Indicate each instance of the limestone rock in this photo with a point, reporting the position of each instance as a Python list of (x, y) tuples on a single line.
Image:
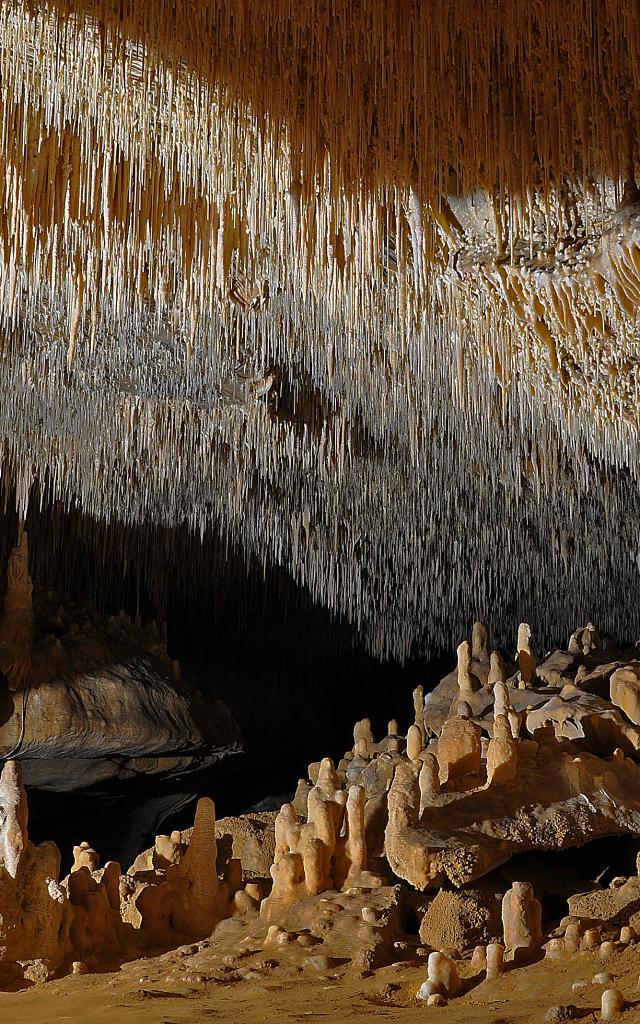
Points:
[(557, 667), (103, 705), (459, 749), (614, 905), (250, 839), (459, 836), (587, 719), (460, 920), (625, 691)]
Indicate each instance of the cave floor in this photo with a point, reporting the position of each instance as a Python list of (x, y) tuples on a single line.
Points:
[(144, 991)]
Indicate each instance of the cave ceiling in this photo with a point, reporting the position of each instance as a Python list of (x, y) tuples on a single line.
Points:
[(353, 286)]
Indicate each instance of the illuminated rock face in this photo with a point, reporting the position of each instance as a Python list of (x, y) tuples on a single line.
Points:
[(340, 865), (98, 699), (96, 914), (372, 325)]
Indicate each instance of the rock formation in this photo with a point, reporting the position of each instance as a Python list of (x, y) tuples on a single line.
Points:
[(521, 919), (234, 315), (395, 831), (98, 915), (184, 899), (494, 960), (502, 753), (351, 292), (101, 698), (459, 749), (526, 658), (625, 691)]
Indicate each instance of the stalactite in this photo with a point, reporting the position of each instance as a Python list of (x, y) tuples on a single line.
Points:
[(355, 291)]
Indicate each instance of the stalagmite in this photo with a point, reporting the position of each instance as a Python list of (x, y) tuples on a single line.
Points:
[(521, 918), (497, 672), (591, 938), (403, 814), (572, 937), (612, 1004), (554, 949), (479, 958), (351, 856), (198, 866), (607, 949), (502, 753), (466, 681), (13, 804), (443, 972), (494, 960), (288, 884), (480, 642), (526, 659), (418, 707), (501, 699), (429, 779), (414, 742), (363, 737), (515, 722)]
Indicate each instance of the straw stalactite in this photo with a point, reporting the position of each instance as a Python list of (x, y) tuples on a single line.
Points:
[(354, 287)]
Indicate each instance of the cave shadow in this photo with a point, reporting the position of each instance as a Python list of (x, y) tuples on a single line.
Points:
[(7, 702)]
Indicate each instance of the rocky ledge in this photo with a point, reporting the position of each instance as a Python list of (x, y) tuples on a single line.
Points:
[(90, 700)]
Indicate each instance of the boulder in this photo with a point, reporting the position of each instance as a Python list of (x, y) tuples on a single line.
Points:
[(625, 691), (461, 920), (558, 667), (104, 702)]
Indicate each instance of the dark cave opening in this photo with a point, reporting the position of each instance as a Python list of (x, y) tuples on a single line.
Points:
[(296, 684), (558, 874), (295, 679)]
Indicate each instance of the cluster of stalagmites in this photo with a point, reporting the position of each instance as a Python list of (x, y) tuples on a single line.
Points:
[(98, 916), (503, 756)]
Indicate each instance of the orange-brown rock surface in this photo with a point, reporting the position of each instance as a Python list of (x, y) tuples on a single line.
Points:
[(381, 859)]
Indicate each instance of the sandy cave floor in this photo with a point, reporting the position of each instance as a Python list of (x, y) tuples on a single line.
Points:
[(162, 991)]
